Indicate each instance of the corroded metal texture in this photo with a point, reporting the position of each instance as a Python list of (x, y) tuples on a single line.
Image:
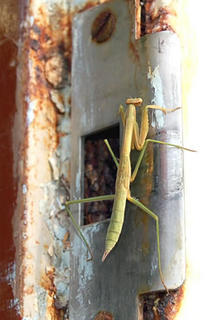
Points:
[(155, 16), (44, 104), (9, 30), (162, 305), (43, 166), (42, 134)]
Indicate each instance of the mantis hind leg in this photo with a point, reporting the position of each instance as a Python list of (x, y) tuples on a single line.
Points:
[(155, 217), (75, 224)]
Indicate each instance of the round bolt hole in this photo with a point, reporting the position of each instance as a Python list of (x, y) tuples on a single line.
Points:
[(103, 26)]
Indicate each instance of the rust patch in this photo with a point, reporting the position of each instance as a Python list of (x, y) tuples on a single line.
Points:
[(134, 33), (135, 52), (138, 18), (88, 6), (29, 290), (47, 46), (103, 315), (103, 26), (162, 305), (56, 70), (66, 240), (47, 281), (155, 18)]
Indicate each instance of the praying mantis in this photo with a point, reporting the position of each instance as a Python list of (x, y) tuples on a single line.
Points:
[(133, 138)]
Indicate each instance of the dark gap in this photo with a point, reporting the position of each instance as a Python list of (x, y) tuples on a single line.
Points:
[(99, 173), (143, 20)]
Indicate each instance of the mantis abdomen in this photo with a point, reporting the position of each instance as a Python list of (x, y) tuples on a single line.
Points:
[(118, 211), (116, 222)]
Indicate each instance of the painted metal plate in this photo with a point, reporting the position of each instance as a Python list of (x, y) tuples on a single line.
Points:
[(103, 76)]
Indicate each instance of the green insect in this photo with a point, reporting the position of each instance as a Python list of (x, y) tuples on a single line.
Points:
[(133, 138)]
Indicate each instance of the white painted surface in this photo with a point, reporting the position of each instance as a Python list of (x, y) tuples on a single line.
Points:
[(200, 169)]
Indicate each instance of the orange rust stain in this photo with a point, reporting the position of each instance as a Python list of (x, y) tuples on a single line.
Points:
[(62, 134), (132, 43), (29, 290), (47, 281), (49, 47), (66, 236), (138, 18), (43, 41), (174, 306), (134, 51), (66, 241)]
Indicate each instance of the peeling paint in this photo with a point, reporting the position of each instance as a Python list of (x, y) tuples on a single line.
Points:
[(158, 99), (45, 71), (54, 167), (42, 303), (31, 20), (30, 112), (24, 189)]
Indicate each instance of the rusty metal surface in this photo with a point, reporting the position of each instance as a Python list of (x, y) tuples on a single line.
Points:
[(144, 68), (43, 104), (155, 15), (9, 306), (161, 305), (9, 32), (41, 143)]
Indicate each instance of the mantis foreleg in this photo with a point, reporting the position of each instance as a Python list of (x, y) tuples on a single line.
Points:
[(139, 136)]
